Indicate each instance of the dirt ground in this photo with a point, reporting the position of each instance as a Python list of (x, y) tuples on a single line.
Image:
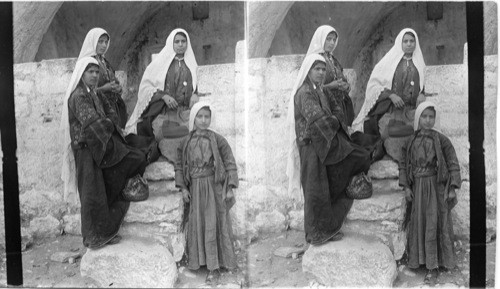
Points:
[(259, 268)]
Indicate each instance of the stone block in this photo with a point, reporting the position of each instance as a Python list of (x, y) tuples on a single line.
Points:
[(36, 203), (159, 171), (287, 252), (132, 263), (45, 227), (380, 207), (270, 222), (384, 169), (162, 188), (460, 214), (354, 261), (72, 224), (157, 208), (63, 257), (386, 185), (388, 232), (296, 220)]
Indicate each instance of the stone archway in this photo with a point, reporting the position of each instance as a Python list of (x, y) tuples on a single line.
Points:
[(31, 21)]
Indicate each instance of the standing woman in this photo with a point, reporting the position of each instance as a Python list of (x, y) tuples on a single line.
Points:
[(167, 91), (336, 87), (96, 44), (394, 90), (322, 159)]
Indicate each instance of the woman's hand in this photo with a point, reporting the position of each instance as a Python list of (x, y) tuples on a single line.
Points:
[(107, 87), (336, 84), (397, 101), (194, 99), (345, 86), (408, 194), (451, 195), (421, 98), (170, 101), (229, 194), (186, 196), (116, 87)]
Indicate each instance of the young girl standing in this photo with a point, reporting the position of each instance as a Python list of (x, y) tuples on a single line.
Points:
[(206, 174), (430, 173)]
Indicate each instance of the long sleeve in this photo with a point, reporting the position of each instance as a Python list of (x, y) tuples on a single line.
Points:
[(178, 166), (228, 159), (452, 163), (316, 119), (403, 181)]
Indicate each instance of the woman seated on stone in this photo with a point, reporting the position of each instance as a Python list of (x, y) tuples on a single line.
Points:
[(395, 88), (322, 158), (167, 91), (96, 44), (97, 162), (336, 87)]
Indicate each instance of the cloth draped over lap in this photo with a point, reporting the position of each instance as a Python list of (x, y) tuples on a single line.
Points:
[(381, 79), (207, 169), (155, 79)]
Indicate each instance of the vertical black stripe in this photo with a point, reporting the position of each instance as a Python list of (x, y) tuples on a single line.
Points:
[(9, 146), (475, 40)]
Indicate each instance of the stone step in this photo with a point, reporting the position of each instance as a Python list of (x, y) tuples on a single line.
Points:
[(354, 261), (165, 234), (382, 206), (384, 169), (160, 170), (157, 208), (386, 185), (162, 188), (133, 262), (388, 232)]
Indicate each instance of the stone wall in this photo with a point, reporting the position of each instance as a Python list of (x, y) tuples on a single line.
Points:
[(297, 29), (253, 123)]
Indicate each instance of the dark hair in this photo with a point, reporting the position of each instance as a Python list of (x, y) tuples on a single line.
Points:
[(205, 108), (107, 35), (431, 108), (316, 62), (411, 34), (336, 35), (90, 65), (181, 33)]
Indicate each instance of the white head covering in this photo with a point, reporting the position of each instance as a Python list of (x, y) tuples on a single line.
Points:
[(421, 107), (155, 74), (194, 111), (383, 74), (293, 163), (68, 174), (318, 40), (90, 43)]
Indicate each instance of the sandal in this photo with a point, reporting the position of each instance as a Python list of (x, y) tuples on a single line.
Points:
[(336, 237), (212, 277), (431, 277)]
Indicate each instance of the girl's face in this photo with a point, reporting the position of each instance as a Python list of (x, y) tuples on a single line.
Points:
[(203, 119), (102, 44), (91, 75), (317, 72), (427, 119), (408, 44), (330, 41), (180, 44)]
